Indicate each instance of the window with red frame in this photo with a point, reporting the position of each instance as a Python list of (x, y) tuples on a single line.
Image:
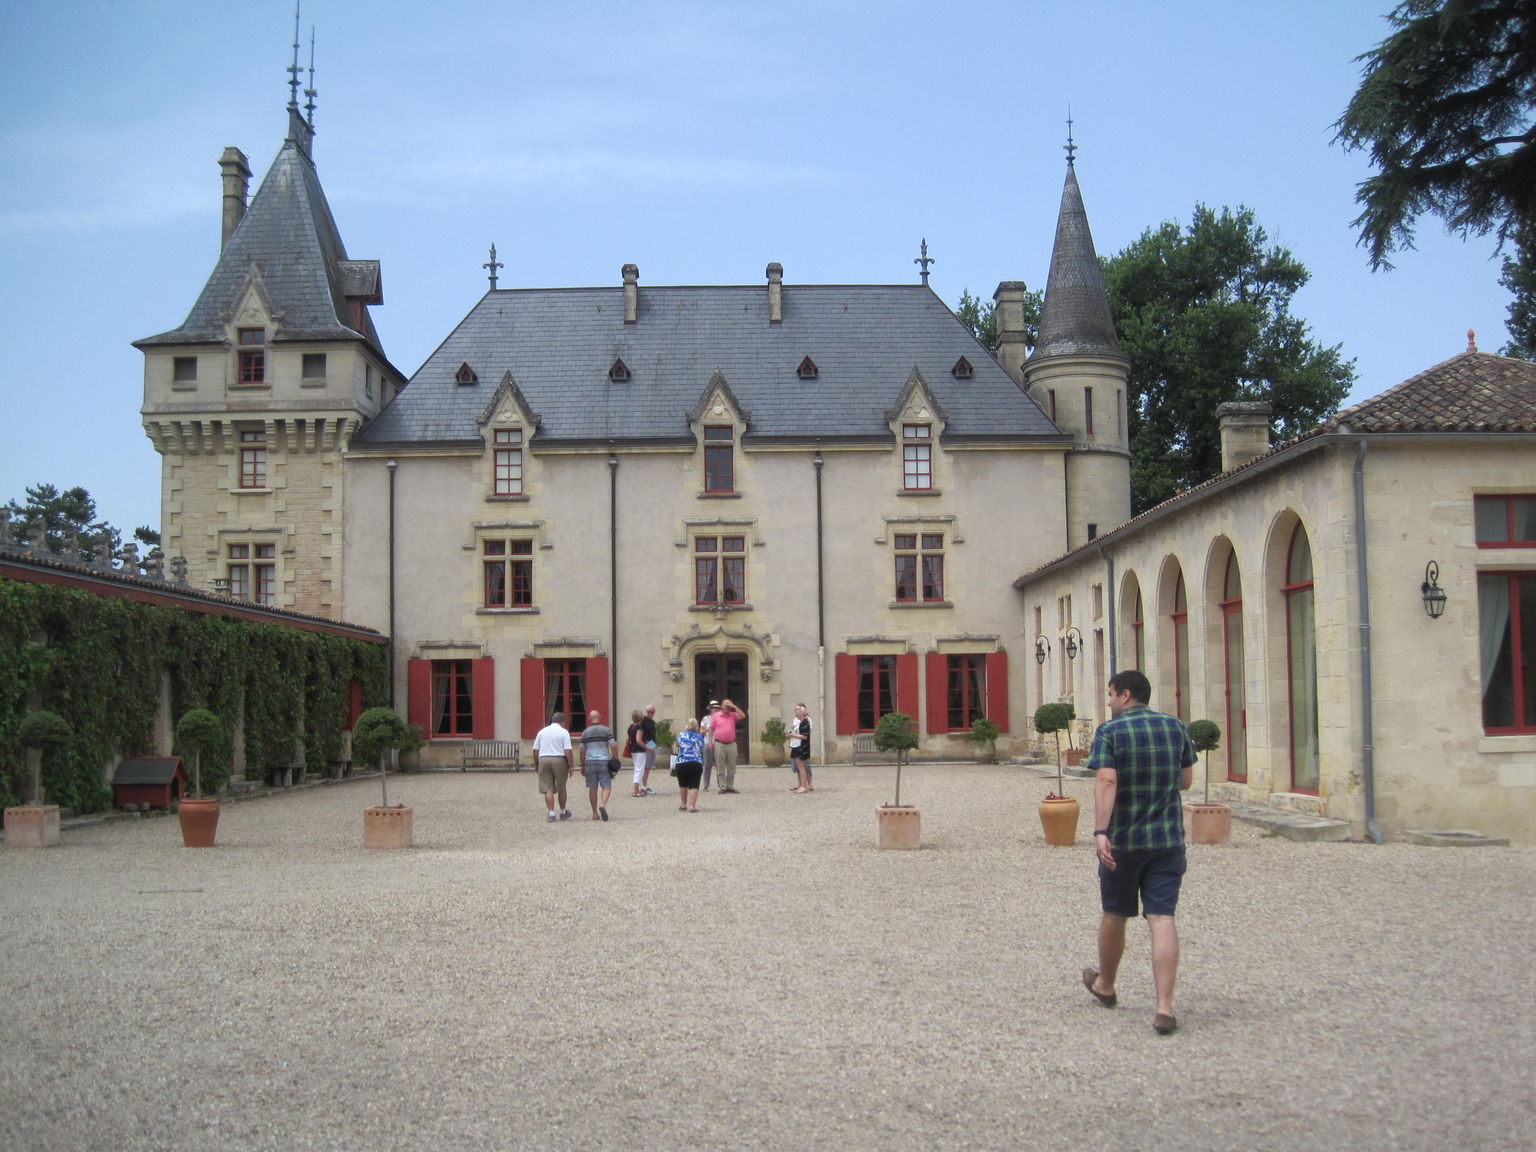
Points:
[(508, 568), (917, 457), (877, 690), (251, 570), (253, 459), (1505, 521), (719, 458), (453, 703), (919, 567), (253, 356), (509, 462), (720, 570), (965, 681), (1506, 604)]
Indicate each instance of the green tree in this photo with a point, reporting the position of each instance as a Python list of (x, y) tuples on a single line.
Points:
[(1519, 277), (1203, 314), (66, 513), (1446, 109), (980, 318)]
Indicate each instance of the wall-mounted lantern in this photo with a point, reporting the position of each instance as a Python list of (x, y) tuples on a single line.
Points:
[(1074, 641), (1042, 649), (1434, 595)]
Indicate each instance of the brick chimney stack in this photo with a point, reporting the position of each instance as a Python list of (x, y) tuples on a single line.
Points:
[(1244, 428), (237, 181)]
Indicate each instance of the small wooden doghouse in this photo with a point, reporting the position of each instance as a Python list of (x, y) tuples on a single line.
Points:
[(152, 780)]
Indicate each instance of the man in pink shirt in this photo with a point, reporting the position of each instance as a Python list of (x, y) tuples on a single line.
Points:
[(724, 734)]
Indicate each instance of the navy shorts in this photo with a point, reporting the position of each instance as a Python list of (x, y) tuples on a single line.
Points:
[(1153, 875)]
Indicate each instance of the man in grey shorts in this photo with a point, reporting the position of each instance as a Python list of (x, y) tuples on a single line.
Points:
[(599, 751), (552, 749)]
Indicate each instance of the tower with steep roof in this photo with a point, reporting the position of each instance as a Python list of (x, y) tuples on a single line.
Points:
[(252, 400), (1077, 372)]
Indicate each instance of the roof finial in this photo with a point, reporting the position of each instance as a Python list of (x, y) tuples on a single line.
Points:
[(492, 266), (293, 69), (1471, 340), (310, 93), (924, 260), (1070, 147)]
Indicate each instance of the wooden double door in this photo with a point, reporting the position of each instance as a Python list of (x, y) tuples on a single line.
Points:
[(722, 676)]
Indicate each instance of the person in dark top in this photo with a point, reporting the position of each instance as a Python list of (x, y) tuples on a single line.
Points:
[(800, 748), (1141, 760)]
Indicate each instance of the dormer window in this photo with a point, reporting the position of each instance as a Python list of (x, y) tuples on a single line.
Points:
[(465, 375), (962, 369), (253, 356), (619, 373), (808, 369)]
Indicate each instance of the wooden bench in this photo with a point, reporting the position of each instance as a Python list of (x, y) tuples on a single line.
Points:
[(499, 754), (864, 745)]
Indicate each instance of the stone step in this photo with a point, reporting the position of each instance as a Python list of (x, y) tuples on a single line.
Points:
[(1300, 826)]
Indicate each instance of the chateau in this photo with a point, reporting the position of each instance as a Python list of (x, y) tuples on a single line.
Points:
[(631, 494)]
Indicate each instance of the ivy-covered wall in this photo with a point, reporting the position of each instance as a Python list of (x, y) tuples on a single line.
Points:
[(98, 662)]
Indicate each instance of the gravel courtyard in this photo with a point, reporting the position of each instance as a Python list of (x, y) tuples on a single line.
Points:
[(757, 976)]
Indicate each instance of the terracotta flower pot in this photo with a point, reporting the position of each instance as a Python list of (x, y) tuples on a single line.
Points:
[(32, 826), (1207, 823), (1072, 757), (773, 755), (901, 825), (199, 821), (1058, 818), (387, 827)]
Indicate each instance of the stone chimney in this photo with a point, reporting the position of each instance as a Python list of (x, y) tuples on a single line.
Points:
[(1244, 428), (775, 293), (1011, 340), (631, 292), (237, 181)]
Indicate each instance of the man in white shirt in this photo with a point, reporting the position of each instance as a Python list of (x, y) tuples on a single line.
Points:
[(556, 762)]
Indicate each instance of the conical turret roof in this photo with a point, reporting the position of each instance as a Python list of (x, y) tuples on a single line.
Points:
[(1075, 319), (288, 245)]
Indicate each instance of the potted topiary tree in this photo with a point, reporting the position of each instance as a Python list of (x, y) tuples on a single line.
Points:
[(1058, 812), (663, 745), (33, 824), (900, 825), (378, 732), (984, 734), (1072, 754), (773, 736), (1204, 822), (197, 731)]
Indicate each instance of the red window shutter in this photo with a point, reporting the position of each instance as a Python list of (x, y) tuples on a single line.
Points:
[(531, 669), (482, 698), (597, 691), (845, 673), (418, 694), (354, 702), (997, 689), (938, 709), (906, 684)]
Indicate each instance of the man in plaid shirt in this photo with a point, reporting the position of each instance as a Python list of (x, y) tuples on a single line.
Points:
[(1142, 760)]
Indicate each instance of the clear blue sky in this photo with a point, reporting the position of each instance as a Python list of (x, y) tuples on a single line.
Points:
[(699, 139)]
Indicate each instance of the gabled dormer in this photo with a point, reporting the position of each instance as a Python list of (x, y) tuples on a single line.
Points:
[(507, 426), (917, 422), (718, 422)]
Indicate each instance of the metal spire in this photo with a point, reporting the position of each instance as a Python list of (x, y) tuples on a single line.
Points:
[(310, 93), (924, 260), (1070, 147), (293, 69), (492, 266)]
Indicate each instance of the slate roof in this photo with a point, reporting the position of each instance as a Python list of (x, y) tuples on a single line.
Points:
[(142, 770), (1075, 318), (559, 343), (1473, 392), (288, 242)]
